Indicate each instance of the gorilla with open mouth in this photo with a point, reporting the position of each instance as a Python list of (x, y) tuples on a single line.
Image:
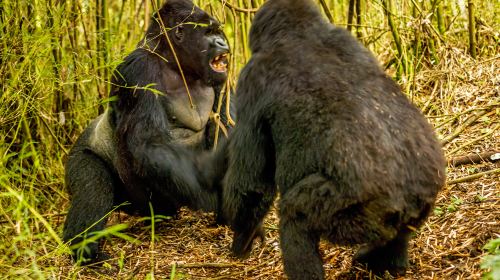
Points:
[(145, 148)]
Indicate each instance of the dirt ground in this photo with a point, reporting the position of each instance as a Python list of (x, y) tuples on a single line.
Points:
[(448, 246)]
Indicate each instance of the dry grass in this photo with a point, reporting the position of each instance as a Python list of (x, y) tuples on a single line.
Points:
[(448, 246)]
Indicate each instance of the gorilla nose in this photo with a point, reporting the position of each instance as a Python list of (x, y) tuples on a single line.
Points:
[(220, 44)]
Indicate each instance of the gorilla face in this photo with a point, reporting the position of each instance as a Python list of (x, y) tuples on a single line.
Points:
[(217, 55), (198, 39)]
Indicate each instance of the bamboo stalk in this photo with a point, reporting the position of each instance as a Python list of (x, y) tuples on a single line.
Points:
[(387, 4), (73, 38), (245, 26), (432, 49), (472, 29), (146, 15), (120, 16), (31, 143), (235, 37), (107, 47), (56, 56), (98, 45), (359, 19), (439, 17), (350, 14), (84, 27)]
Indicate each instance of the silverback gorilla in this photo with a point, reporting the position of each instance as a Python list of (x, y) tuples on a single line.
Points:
[(354, 161), (143, 149)]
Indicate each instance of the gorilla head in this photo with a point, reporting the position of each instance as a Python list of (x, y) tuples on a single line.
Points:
[(278, 19), (195, 36)]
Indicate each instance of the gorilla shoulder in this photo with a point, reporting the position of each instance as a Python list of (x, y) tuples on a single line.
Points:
[(99, 138)]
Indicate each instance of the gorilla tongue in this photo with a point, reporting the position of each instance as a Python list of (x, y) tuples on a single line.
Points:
[(219, 63)]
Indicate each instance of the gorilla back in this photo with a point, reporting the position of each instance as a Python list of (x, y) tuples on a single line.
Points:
[(144, 148), (355, 161)]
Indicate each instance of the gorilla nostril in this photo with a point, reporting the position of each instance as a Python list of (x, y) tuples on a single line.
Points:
[(220, 43)]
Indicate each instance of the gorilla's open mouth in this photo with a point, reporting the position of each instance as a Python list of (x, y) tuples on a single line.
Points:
[(219, 62)]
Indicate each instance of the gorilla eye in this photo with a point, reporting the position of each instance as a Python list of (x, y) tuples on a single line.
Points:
[(213, 30), (179, 33), (209, 31)]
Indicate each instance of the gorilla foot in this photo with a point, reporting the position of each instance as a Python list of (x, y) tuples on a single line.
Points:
[(242, 242), (385, 258)]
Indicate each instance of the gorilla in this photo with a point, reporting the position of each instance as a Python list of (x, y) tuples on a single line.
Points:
[(319, 122), (145, 148)]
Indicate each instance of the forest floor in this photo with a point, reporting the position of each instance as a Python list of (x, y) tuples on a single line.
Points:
[(448, 246)]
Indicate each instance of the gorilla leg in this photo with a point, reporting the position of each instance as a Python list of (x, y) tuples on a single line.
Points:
[(391, 256), (300, 249), (301, 224), (91, 184)]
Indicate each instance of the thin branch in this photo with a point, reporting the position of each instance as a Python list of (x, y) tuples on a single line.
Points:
[(61, 146), (163, 27), (429, 102), (326, 10), (473, 177), (238, 9), (461, 128), (473, 141)]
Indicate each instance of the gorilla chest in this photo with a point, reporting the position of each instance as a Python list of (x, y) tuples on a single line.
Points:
[(188, 114)]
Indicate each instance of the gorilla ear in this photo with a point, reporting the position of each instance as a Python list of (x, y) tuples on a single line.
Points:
[(179, 33)]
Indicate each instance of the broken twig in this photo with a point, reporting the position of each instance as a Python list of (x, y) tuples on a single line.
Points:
[(490, 156)]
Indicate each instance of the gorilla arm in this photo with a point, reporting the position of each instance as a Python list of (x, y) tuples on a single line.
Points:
[(249, 194)]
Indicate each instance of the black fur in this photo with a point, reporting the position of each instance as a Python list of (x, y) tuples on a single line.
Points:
[(146, 147), (354, 161)]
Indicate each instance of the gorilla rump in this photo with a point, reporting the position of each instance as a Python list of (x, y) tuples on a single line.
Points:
[(144, 148), (354, 161)]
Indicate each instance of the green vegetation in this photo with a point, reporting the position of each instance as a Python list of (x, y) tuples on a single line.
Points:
[(492, 261), (55, 62)]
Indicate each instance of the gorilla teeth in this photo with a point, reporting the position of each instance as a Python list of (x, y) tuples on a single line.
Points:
[(219, 63)]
